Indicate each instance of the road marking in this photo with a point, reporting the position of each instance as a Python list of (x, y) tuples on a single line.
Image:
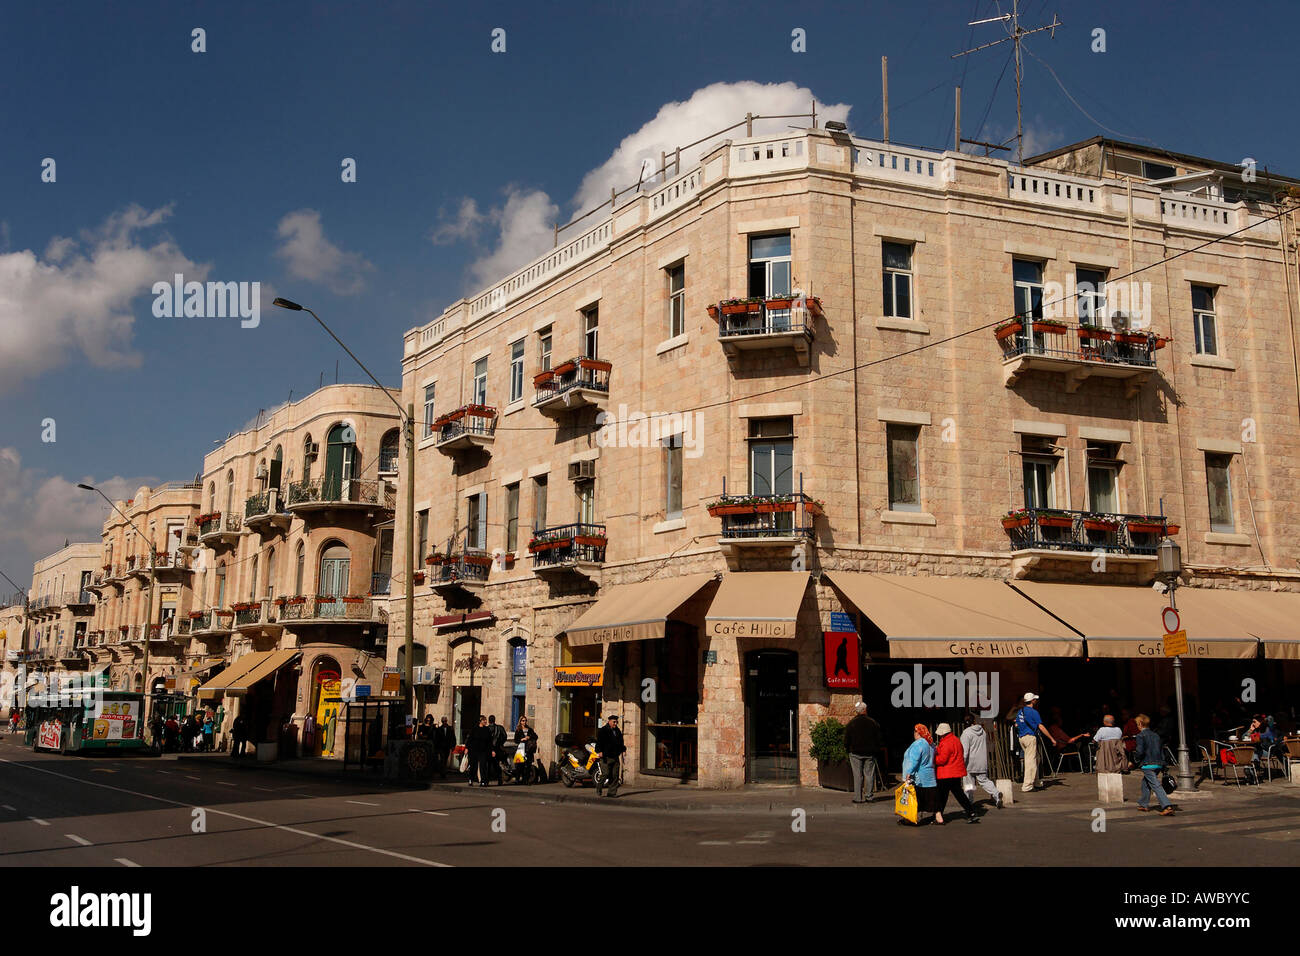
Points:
[(715, 843), (234, 816), (305, 796), (188, 777), (265, 789), (750, 842), (124, 861), (38, 820), (76, 839), (102, 770), (432, 813), (223, 783), (9, 808), (156, 770), (362, 803)]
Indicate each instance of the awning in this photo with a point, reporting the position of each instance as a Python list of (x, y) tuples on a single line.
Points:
[(1125, 621), (955, 617), (635, 612), (1271, 616), (180, 681), (264, 668), (757, 604), (223, 680), (450, 622)]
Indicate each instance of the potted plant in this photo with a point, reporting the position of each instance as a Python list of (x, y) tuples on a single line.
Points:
[(435, 558), (832, 759), (732, 505), (779, 302), (353, 599), (564, 368), (417, 577), (479, 559), (1055, 326), (1017, 518), (1088, 331), (1145, 526), (1050, 518), (739, 306), (814, 305), (324, 599), (774, 503), (595, 365), (814, 508), (224, 612), (591, 540), (713, 311), (195, 615), (1100, 524), (1004, 330), (543, 377)]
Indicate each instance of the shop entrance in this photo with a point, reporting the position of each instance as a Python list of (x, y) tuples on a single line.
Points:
[(467, 707), (771, 716)]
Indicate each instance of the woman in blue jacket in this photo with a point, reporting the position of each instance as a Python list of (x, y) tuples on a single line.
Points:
[(918, 767), (1149, 756)]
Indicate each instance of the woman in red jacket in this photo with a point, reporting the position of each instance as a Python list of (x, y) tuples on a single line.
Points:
[(949, 768)]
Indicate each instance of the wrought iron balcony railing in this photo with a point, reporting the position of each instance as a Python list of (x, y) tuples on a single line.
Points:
[(469, 566), (577, 373), (1078, 343), (766, 516), (468, 421), (257, 505), (1086, 532), (567, 545), (335, 490), (325, 607)]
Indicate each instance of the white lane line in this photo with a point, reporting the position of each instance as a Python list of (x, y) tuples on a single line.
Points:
[(264, 789), (188, 777), (362, 803), (225, 784), (432, 813), (715, 843), (76, 839), (9, 808), (124, 861), (156, 770), (234, 816), (38, 820), (305, 796)]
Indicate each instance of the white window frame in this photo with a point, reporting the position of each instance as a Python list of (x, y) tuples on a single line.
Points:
[(890, 277), (676, 300), (673, 455), (1202, 317), (480, 377), (591, 331), (516, 370), (1231, 504), (430, 394)]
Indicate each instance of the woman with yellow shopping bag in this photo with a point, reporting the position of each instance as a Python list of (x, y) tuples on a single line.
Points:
[(919, 792)]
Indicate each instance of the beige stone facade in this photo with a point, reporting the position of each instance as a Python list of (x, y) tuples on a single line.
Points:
[(978, 413), (61, 609)]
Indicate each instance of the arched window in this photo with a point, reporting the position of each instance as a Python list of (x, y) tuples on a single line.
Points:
[(388, 451), (299, 563), (306, 459), (230, 491), (252, 580), (277, 468), (342, 463), (335, 570), (270, 573), (261, 470), (221, 585), (212, 496)]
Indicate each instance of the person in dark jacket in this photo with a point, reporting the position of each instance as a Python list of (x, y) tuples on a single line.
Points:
[(949, 769), (497, 733), (525, 743), (478, 750), (239, 734), (610, 750), (863, 742), (426, 729), (1149, 756), (444, 742)]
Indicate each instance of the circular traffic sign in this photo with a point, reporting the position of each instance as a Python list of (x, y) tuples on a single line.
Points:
[(1169, 617)]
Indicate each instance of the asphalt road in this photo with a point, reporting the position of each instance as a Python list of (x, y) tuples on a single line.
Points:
[(141, 811)]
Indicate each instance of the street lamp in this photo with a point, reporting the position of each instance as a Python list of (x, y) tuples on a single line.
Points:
[(407, 417), (153, 594), (1169, 569)]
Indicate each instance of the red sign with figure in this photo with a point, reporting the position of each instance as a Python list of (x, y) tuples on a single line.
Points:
[(843, 662)]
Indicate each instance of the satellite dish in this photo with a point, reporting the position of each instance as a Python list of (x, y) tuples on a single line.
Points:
[(348, 436)]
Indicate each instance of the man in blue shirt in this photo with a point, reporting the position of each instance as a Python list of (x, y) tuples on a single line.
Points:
[(1028, 723)]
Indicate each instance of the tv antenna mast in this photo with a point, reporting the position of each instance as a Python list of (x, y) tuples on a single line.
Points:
[(1015, 34)]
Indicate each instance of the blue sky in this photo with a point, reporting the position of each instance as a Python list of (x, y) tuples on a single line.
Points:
[(229, 161)]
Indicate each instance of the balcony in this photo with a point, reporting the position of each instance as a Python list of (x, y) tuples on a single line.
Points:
[(1049, 532), (190, 543), (574, 384), (578, 548), (764, 521), (1077, 352), (324, 609), (777, 323), (170, 565), (263, 513), (470, 426), (332, 493), (467, 571), (165, 631), (210, 623), (79, 603), (257, 617), (219, 531)]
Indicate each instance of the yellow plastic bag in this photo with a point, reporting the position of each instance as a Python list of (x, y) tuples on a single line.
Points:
[(905, 802), (519, 755)]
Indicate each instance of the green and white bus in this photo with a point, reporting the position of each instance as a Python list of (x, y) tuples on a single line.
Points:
[(85, 719)]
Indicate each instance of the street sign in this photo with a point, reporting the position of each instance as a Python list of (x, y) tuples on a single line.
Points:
[(1169, 617), (1175, 643), (841, 622)]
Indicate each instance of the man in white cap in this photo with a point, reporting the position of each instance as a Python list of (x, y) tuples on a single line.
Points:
[(862, 741), (1028, 723)]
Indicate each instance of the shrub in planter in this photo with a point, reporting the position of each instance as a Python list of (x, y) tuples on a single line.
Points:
[(1019, 518), (1054, 519), (828, 750), (1004, 330), (1049, 325)]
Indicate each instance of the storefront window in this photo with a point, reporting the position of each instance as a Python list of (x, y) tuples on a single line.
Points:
[(519, 675), (671, 718)]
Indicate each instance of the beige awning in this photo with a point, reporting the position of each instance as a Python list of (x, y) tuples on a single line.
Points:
[(263, 669), (222, 681), (1271, 616), (757, 604), (1126, 621), (635, 612), (955, 617)]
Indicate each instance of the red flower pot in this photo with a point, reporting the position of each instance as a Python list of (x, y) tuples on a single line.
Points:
[(719, 510), (780, 303), (713, 312), (1095, 524), (1007, 331), (590, 541), (1049, 327), (1146, 527), (1051, 521), (740, 308), (542, 378), (595, 365), (1010, 524)]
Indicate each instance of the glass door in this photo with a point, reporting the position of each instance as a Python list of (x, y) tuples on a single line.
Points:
[(335, 565), (771, 716)]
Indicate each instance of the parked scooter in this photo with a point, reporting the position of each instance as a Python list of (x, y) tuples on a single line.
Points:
[(578, 765)]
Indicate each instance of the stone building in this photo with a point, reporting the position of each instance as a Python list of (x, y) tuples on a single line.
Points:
[(61, 609), (817, 326)]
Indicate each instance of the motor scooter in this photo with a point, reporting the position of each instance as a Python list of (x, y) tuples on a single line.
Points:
[(579, 765)]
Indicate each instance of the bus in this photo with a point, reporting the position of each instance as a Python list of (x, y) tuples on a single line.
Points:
[(85, 719)]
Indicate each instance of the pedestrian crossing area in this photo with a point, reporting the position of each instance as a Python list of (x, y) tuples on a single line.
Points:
[(1257, 823)]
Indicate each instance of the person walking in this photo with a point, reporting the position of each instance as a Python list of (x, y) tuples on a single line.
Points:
[(208, 731), (1149, 755), (239, 736), (444, 741), (525, 743), (478, 750), (1028, 724), (918, 769), (426, 729), (949, 770), (975, 751), (156, 732), (863, 742), (609, 751), (497, 733), (171, 733)]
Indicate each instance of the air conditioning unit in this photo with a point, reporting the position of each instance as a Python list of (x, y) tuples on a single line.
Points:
[(581, 470), (427, 676), (261, 472), (313, 449)]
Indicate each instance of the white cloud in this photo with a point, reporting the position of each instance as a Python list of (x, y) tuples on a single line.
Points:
[(522, 227), (77, 297), (309, 255)]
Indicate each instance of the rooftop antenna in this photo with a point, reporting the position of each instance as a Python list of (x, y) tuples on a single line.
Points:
[(1015, 34)]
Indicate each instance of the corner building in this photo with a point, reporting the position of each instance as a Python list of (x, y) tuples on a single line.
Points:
[(771, 402)]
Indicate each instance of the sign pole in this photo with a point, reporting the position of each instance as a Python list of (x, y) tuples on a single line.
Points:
[(1186, 783)]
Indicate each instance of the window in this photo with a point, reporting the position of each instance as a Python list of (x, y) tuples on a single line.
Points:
[(586, 497), (1090, 288), (476, 522), (1028, 278), (421, 536), (896, 260), (590, 333), (1038, 458), (1157, 170), (544, 349), (388, 446), (306, 459), (903, 445), (230, 491), (429, 414), (771, 456), (676, 300), (539, 501), (1205, 320), (252, 580), (212, 497), (512, 517), (517, 371), (769, 265), (1219, 485), (221, 586), (1103, 478), (673, 476), (270, 574), (480, 381), (299, 564)]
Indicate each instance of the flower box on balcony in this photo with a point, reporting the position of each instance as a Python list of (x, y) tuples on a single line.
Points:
[(717, 511), (435, 558), (815, 306), (224, 613), (771, 507), (546, 544), (713, 311), (418, 577), (814, 509), (195, 615), (296, 600), (242, 606), (1094, 332), (740, 306), (1008, 328), (479, 560), (1131, 338), (353, 600), (564, 368), (124, 628), (543, 377), (780, 302), (107, 567), (324, 599), (1100, 524), (1054, 520), (1159, 342), (1049, 325), (480, 411), (1010, 523), (591, 541), (595, 365)]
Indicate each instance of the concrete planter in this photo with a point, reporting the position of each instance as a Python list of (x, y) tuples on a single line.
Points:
[(834, 776)]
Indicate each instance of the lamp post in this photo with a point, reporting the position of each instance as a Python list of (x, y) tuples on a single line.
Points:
[(1169, 570), (153, 593), (407, 418)]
